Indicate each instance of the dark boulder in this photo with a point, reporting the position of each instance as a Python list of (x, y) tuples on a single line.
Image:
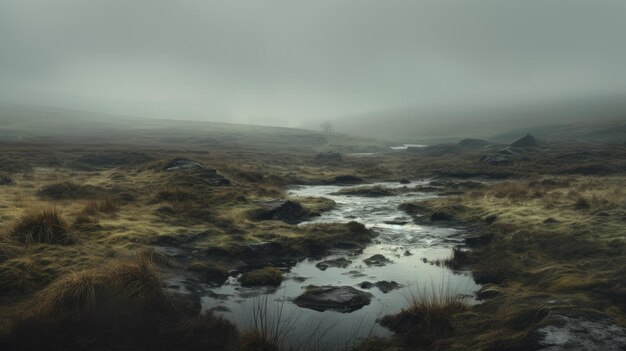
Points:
[(337, 298), (287, 211), (337, 263), (383, 285), (404, 181), (377, 260), (441, 216)]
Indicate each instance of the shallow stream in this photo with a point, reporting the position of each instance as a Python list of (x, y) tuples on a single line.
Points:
[(412, 248)]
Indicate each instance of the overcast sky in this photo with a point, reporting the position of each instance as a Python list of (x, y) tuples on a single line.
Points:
[(283, 62)]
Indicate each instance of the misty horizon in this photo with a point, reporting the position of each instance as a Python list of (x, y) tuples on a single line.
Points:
[(295, 64)]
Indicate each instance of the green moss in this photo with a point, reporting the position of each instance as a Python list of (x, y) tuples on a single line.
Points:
[(265, 276)]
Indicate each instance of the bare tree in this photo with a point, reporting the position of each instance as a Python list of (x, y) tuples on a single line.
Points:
[(327, 127)]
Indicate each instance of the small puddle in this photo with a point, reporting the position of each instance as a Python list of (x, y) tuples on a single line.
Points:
[(410, 247)]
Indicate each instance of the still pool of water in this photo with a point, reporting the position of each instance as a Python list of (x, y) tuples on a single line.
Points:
[(411, 247)]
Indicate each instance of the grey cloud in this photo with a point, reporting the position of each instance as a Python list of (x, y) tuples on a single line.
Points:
[(286, 62)]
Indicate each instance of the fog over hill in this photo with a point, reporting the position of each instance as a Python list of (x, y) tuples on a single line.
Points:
[(585, 119), (422, 64)]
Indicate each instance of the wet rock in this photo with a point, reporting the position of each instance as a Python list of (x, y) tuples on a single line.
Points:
[(396, 222), (603, 214), (441, 216), (408, 253), (367, 191), (337, 298), (214, 295), (488, 291), (337, 263), (383, 285), (404, 181), (581, 333), (377, 260), (299, 279), (355, 274), (280, 210), (496, 159), (550, 221)]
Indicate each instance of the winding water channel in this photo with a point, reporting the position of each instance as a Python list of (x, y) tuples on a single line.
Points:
[(411, 247)]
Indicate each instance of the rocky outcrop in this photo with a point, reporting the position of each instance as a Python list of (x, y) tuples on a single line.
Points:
[(377, 260), (337, 263), (383, 285), (526, 141), (337, 298), (281, 210)]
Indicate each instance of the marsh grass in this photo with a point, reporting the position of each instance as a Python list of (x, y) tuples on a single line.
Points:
[(70, 190), (44, 225), (118, 303), (429, 315), (9, 247), (268, 326)]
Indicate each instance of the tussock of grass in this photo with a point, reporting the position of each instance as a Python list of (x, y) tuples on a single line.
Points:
[(429, 315), (5, 179), (210, 272), (122, 302), (270, 276), (70, 190), (267, 327), (9, 248), (176, 195), (116, 289), (41, 226)]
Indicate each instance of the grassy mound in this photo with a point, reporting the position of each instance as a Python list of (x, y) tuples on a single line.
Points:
[(118, 306), (41, 226), (429, 316), (70, 190), (271, 276)]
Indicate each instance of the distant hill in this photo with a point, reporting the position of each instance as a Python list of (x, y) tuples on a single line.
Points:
[(576, 119), (41, 124)]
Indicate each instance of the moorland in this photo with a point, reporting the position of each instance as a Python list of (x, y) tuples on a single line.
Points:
[(95, 220)]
